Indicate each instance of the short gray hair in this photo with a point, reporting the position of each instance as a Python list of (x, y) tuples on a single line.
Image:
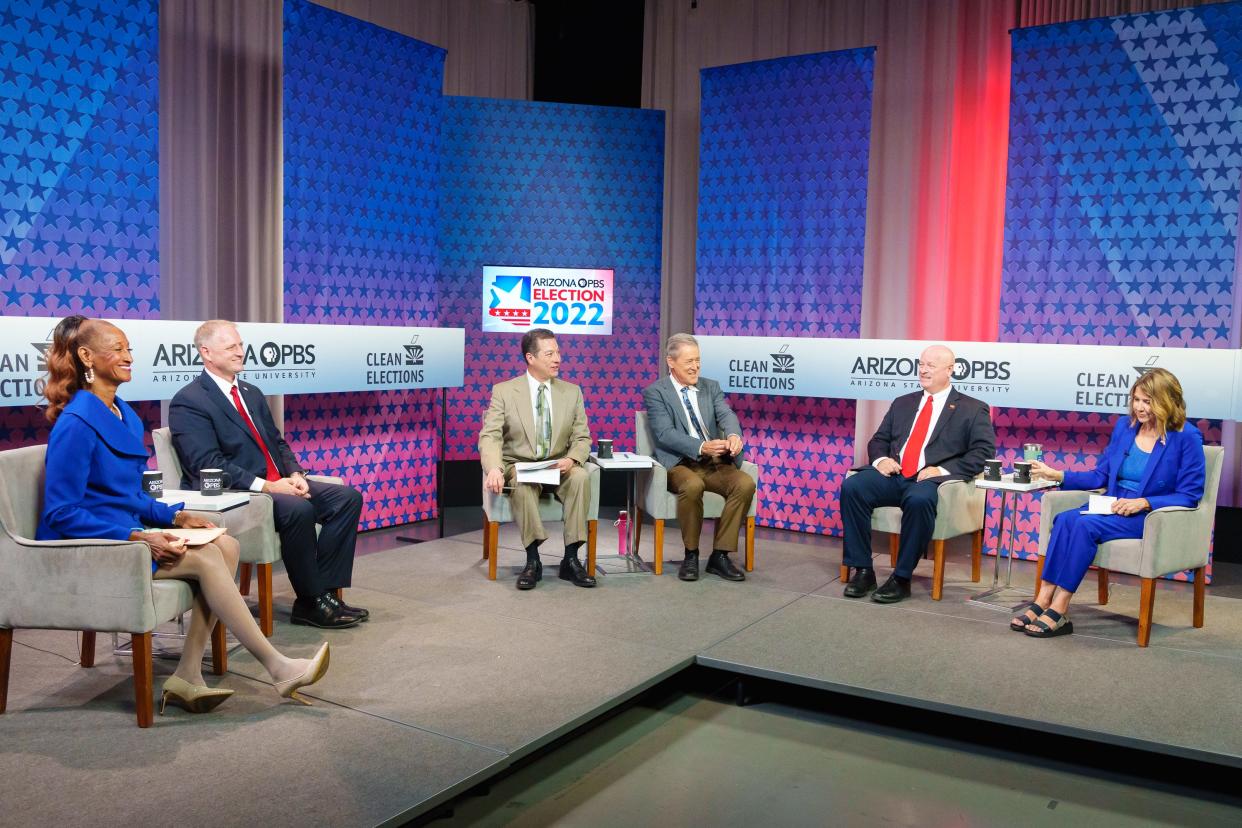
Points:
[(207, 331), (678, 341)]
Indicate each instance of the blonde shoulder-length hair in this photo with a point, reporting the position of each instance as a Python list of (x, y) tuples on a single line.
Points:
[(1167, 403)]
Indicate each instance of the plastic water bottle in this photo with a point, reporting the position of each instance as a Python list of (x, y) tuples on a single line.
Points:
[(623, 534)]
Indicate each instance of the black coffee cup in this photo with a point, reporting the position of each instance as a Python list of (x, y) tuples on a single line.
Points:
[(991, 469), (212, 482), (603, 449), (153, 483), (1021, 472)]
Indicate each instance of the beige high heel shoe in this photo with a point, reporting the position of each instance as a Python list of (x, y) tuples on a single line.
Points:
[(319, 665), (196, 698)]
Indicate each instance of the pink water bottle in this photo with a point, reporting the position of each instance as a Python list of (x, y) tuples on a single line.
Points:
[(623, 534)]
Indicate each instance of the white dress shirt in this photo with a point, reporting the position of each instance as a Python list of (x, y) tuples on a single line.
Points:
[(938, 401), (694, 403), (534, 401), (226, 388)]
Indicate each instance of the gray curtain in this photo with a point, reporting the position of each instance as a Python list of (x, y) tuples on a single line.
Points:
[(220, 159)]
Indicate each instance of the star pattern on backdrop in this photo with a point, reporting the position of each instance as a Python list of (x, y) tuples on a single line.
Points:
[(784, 147), (1125, 157)]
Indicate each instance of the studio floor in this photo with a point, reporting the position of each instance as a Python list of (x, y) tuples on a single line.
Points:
[(458, 680)]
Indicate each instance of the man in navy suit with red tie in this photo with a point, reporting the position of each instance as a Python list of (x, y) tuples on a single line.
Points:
[(220, 422), (927, 438)]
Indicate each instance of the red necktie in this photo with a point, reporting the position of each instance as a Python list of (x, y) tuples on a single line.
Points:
[(914, 446), (273, 473)]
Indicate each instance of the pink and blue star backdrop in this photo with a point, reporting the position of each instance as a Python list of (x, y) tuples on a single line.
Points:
[(79, 174), (1125, 154), (783, 156), (362, 108), (552, 185)]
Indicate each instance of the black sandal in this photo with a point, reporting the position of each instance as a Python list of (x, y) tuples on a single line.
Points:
[(1061, 625), (1020, 626)]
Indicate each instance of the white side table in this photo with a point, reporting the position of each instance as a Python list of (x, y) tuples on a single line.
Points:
[(1011, 597)]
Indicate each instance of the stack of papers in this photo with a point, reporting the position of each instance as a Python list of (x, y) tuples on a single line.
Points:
[(1100, 505), (623, 460), (196, 537), (539, 471)]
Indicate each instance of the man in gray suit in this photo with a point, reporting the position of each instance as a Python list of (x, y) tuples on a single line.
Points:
[(699, 441)]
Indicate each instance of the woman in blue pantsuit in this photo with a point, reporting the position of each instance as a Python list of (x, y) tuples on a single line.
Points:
[(1153, 459)]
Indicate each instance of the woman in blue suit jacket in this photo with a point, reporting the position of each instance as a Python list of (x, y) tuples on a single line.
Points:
[(93, 489), (1153, 459)]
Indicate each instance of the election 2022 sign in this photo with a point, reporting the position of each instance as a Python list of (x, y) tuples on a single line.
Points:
[(1010, 374), (280, 359), (564, 300)]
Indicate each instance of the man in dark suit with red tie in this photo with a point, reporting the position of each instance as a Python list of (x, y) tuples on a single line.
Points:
[(221, 422), (927, 438)]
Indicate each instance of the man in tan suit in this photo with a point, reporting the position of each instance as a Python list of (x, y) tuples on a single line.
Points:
[(539, 417)]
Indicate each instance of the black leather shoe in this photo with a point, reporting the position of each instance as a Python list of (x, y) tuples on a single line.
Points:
[(573, 570), (341, 606), (895, 589), (317, 612), (689, 570), (862, 582), (530, 575), (719, 564)]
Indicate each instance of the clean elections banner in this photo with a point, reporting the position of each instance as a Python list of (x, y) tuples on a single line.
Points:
[(280, 359), (1011, 374)]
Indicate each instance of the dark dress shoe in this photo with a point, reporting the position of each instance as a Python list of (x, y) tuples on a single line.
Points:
[(317, 612), (689, 570), (895, 589), (862, 582), (530, 575), (573, 570), (341, 606), (719, 564)]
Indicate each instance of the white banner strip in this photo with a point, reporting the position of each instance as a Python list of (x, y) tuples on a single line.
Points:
[(280, 359), (1009, 374)]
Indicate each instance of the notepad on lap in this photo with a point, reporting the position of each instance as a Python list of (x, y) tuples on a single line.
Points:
[(1100, 505), (539, 471)]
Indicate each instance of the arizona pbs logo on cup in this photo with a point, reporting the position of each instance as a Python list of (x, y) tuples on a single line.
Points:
[(564, 300)]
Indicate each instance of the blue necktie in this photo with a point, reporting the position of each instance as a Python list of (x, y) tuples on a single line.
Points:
[(694, 420)]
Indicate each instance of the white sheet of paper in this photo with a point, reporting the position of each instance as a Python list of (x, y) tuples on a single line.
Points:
[(1100, 505), (196, 537), (539, 471)]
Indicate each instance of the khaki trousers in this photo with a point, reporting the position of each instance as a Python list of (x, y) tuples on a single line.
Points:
[(689, 479), (574, 493)]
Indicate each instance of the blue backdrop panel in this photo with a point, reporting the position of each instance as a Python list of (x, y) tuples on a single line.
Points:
[(1122, 205), (362, 115), (783, 157), (79, 154), (79, 176), (553, 185)]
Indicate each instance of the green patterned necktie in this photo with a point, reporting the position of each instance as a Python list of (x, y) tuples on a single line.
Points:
[(543, 424)]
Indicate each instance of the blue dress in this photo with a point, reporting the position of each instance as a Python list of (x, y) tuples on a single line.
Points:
[(1171, 475), (93, 486)]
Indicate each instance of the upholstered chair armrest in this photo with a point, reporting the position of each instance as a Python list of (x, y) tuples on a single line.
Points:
[(75, 584), (1053, 503), (653, 489), (1175, 538), (326, 478), (752, 470), (959, 510), (252, 525)]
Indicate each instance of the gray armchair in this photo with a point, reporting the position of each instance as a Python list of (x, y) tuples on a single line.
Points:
[(497, 510), (958, 512), (657, 501), (88, 585), (252, 525), (1175, 538)]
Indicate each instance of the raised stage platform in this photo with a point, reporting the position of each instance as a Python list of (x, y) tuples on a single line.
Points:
[(457, 677)]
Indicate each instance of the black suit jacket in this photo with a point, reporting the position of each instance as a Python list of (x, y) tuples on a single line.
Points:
[(208, 433), (962, 440)]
